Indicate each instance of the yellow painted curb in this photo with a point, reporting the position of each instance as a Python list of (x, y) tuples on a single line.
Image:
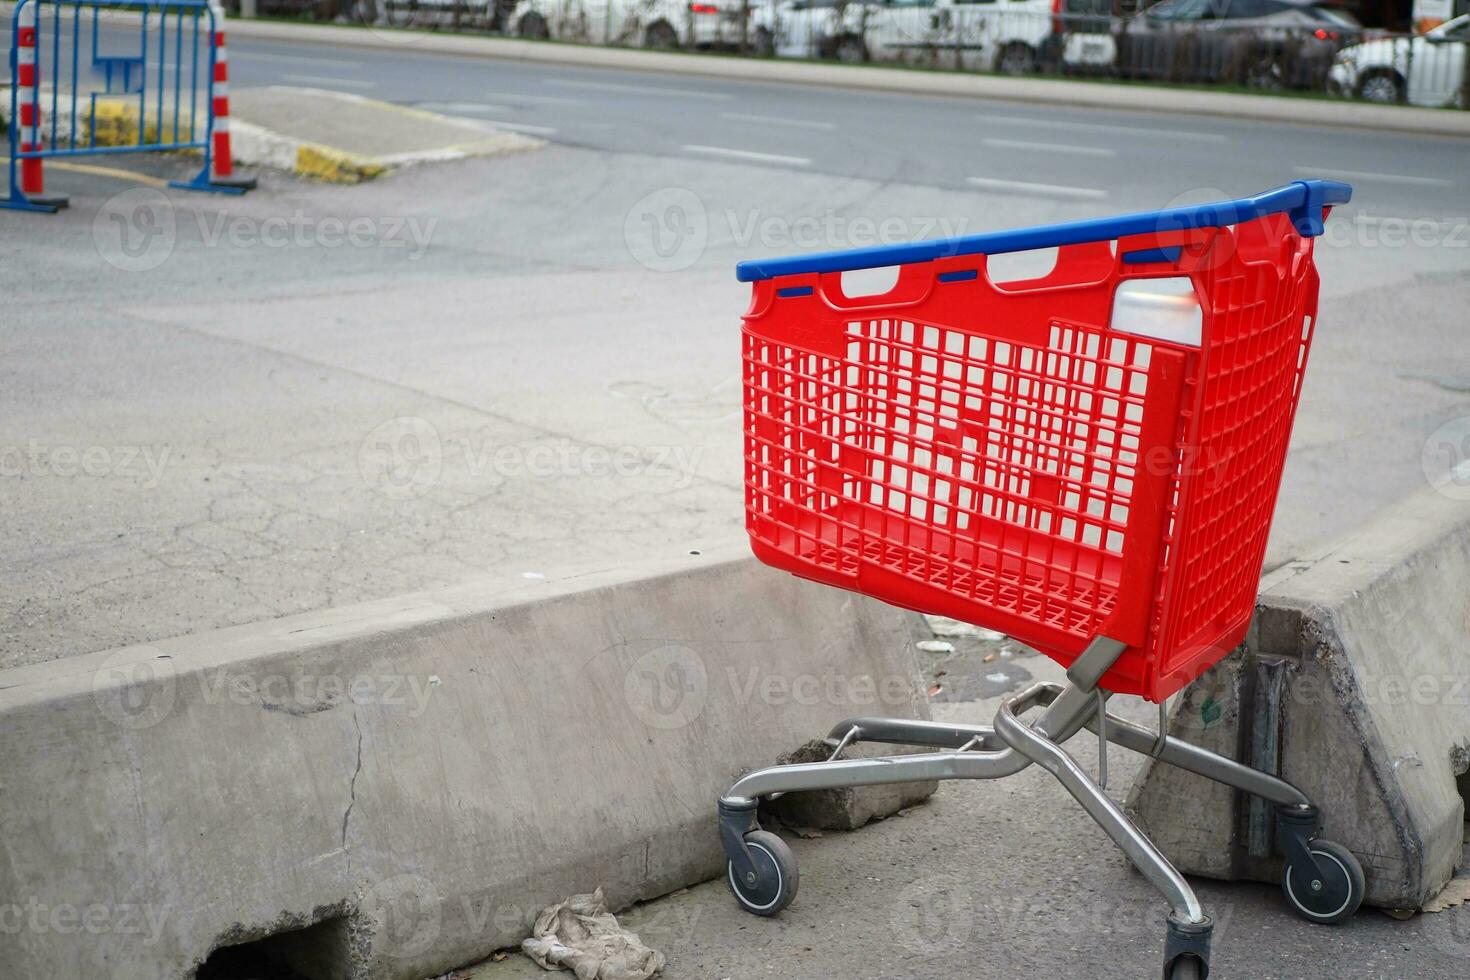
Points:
[(333, 165), (117, 125)]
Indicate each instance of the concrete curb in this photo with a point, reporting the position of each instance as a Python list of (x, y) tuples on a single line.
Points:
[(1354, 684), (394, 789), (1046, 91), (253, 145)]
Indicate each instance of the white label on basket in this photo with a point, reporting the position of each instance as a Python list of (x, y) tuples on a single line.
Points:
[(1166, 309)]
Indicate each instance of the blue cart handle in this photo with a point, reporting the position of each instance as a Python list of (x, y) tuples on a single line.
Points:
[(1302, 199)]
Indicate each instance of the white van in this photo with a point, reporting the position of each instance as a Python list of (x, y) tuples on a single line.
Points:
[(637, 23), (1010, 36)]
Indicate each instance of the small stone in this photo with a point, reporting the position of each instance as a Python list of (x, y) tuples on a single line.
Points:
[(935, 646)]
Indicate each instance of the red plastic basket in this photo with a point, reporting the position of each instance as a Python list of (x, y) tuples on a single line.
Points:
[(1018, 457)]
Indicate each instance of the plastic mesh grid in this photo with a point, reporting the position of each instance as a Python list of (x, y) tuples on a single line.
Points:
[(998, 471), (1259, 343), (1084, 478)]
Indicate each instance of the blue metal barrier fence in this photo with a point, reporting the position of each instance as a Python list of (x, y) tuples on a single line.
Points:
[(93, 77)]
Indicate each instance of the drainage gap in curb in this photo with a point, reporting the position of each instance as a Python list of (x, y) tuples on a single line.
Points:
[(313, 953)]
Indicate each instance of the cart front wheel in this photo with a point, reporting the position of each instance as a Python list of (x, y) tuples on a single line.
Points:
[(1332, 897), (775, 878)]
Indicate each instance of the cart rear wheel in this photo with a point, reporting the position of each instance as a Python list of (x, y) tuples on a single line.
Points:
[(1334, 896), (776, 879)]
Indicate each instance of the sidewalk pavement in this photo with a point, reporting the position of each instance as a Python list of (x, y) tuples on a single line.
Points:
[(344, 138), (994, 881), (331, 136)]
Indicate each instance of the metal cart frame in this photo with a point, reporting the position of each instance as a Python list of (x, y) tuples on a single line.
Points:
[(1321, 879)]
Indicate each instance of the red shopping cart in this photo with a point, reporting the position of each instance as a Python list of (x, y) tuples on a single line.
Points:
[(1087, 462)]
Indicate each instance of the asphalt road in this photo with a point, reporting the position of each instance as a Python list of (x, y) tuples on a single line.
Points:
[(582, 296), (1127, 159)]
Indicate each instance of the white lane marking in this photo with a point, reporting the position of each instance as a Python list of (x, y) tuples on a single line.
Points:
[(722, 151), (543, 99), (520, 127), (1081, 151), (644, 89), (244, 52), (475, 107), (1045, 190), (778, 121), (1364, 175), (327, 81), (1176, 134)]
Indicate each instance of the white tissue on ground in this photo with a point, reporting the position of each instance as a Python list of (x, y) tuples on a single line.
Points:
[(580, 935)]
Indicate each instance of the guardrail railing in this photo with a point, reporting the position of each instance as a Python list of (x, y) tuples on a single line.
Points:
[(95, 77)]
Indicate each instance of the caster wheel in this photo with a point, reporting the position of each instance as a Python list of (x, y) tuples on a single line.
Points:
[(1334, 897), (776, 886)]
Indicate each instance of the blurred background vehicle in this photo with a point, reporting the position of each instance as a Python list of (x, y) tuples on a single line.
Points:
[(661, 24), (1428, 70), (810, 29), (1259, 43), (1082, 37), (1013, 37), (1319, 45)]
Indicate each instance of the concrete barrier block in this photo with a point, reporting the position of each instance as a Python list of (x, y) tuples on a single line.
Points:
[(392, 789), (1354, 683)]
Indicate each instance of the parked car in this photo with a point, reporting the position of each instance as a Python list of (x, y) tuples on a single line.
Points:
[(1264, 43), (1427, 70), (1082, 37), (810, 29), (644, 23), (1010, 36), (474, 15)]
